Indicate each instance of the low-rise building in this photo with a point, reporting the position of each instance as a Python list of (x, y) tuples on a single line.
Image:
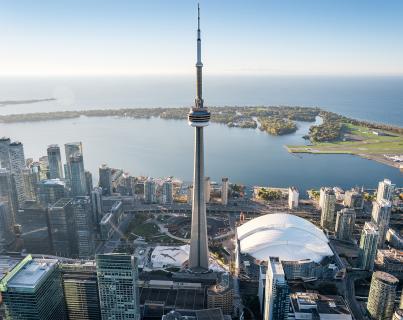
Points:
[(307, 305)]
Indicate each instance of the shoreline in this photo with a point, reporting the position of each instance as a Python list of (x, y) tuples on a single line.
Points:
[(371, 157)]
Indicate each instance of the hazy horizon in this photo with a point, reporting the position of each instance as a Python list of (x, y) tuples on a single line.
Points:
[(132, 38)]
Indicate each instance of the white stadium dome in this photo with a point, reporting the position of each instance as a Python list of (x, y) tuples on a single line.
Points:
[(283, 235)]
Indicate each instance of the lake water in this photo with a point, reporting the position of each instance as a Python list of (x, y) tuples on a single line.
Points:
[(160, 148), (157, 147)]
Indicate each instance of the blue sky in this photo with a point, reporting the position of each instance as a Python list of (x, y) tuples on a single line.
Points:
[(125, 37)]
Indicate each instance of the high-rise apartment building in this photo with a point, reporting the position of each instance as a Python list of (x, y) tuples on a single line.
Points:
[(33, 290), (62, 228), (31, 179), (276, 302), (167, 192), (77, 176), (328, 209), (17, 160), (96, 203), (43, 168), (105, 179), (189, 195), (368, 246), (381, 211), (353, 199), (117, 286), (150, 191), (207, 189), (81, 290), (88, 182), (382, 294), (55, 162), (83, 227), (385, 190), (293, 198), (71, 149), (345, 222), (224, 191)]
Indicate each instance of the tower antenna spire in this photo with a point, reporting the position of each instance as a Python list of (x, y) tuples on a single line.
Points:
[(198, 16)]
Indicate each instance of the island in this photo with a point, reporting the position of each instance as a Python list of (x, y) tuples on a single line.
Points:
[(12, 102)]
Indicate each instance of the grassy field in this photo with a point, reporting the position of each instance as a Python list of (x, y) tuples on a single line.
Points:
[(357, 140)]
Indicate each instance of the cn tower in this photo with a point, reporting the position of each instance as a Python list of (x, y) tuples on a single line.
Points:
[(199, 118)]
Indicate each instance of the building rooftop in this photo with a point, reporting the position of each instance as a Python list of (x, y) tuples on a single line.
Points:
[(276, 266), (7, 264), (307, 302), (169, 256), (285, 236), (209, 314), (52, 182), (61, 203), (390, 256), (386, 277), (106, 218), (32, 273)]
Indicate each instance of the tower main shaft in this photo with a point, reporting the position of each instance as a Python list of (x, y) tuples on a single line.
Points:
[(199, 117)]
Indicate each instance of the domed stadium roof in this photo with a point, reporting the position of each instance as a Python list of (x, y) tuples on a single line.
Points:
[(283, 235)]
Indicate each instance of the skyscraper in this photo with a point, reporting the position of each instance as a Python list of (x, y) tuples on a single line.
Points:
[(150, 189), (368, 246), (17, 160), (62, 228), (385, 190), (88, 182), (71, 149), (96, 202), (34, 291), (345, 224), (49, 191), (7, 195), (5, 153), (105, 179), (381, 211), (31, 179), (81, 290), (35, 232), (117, 286), (199, 118), (328, 209), (224, 191), (83, 227), (382, 294), (277, 291), (207, 189), (55, 162), (77, 176), (6, 227)]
